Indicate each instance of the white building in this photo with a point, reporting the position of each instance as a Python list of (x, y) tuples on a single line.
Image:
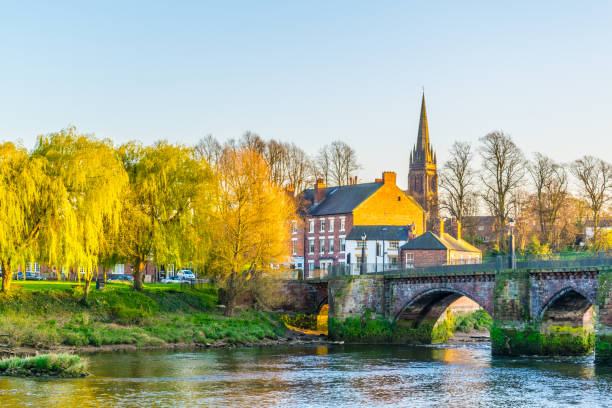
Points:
[(382, 243)]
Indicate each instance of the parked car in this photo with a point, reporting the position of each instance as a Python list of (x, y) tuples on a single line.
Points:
[(33, 277), (28, 276), (175, 279), (121, 278), (186, 274)]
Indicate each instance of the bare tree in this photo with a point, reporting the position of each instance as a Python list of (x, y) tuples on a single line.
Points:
[(595, 181), (253, 141), (550, 182), (323, 164), (341, 162), (276, 156), (299, 168), (457, 181), (502, 174), (209, 149)]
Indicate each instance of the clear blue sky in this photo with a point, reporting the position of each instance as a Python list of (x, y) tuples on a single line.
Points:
[(312, 72)]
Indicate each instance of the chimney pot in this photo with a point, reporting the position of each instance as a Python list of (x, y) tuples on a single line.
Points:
[(441, 226), (319, 191), (389, 177)]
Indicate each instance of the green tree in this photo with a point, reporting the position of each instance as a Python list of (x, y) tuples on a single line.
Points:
[(36, 218), (95, 182), (167, 206)]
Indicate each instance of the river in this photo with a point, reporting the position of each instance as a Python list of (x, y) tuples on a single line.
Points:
[(322, 376)]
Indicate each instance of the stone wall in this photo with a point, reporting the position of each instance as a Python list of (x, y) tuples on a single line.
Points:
[(353, 297)]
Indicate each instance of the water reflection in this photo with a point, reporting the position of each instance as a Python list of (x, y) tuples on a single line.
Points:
[(321, 376)]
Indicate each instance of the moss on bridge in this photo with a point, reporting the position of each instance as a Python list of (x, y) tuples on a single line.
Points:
[(603, 349), (365, 330), (556, 340)]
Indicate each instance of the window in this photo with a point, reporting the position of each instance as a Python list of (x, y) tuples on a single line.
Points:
[(393, 260), (358, 257), (409, 260), (294, 246), (378, 249), (310, 266), (469, 259), (342, 223), (331, 225), (119, 269), (342, 244), (362, 244), (311, 226), (322, 229), (480, 228), (321, 245), (311, 248), (331, 245), (393, 244), (294, 227)]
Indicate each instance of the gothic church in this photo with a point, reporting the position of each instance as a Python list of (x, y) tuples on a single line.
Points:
[(423, 174)]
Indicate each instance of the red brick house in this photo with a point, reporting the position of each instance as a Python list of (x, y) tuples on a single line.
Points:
[(327, 215), (431, 249)]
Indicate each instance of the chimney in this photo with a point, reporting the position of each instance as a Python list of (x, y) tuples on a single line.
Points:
[(389, 177), (319, 191), (438, 227), (455, 228), (378, 180)]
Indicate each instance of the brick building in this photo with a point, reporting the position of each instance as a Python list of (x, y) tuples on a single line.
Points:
[(432, 249), (328, 215)]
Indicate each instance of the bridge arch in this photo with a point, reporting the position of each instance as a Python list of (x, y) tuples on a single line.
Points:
[(440, 297), (425, 318), (568, 307)]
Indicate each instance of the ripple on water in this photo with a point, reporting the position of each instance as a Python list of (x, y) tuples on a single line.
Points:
[(322, 376)]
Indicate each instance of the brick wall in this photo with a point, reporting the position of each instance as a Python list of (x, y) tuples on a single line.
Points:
[(304, 234), (423, 258)]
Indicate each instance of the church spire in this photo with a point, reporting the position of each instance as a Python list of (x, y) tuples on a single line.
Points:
[(423, 137)]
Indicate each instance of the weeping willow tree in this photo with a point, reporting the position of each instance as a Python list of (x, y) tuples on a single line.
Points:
[(167, 208), (36, 218), (252, 219), (95, 181)]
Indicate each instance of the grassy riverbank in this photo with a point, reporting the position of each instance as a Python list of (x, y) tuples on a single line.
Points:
[(47, 365), (49, 315)]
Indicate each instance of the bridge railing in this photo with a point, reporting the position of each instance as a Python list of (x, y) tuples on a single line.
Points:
[(487, 266), (565, 260)]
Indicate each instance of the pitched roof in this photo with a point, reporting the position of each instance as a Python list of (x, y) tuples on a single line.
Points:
[(376, 232), (429, 241), (340, 199)]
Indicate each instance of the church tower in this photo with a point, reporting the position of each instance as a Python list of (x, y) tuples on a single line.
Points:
[(423, 174)]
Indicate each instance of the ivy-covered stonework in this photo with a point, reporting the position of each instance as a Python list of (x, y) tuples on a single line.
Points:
[(603, 349), (365, 329), (557, 340)]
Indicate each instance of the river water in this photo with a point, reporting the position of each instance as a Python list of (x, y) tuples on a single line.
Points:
[(322, 376)]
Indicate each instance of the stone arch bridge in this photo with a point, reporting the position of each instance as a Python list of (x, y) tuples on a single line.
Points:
[(538, 308)]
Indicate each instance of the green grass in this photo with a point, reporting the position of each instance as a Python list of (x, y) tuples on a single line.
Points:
[(49, 314), (46, 365), (478, 320)]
